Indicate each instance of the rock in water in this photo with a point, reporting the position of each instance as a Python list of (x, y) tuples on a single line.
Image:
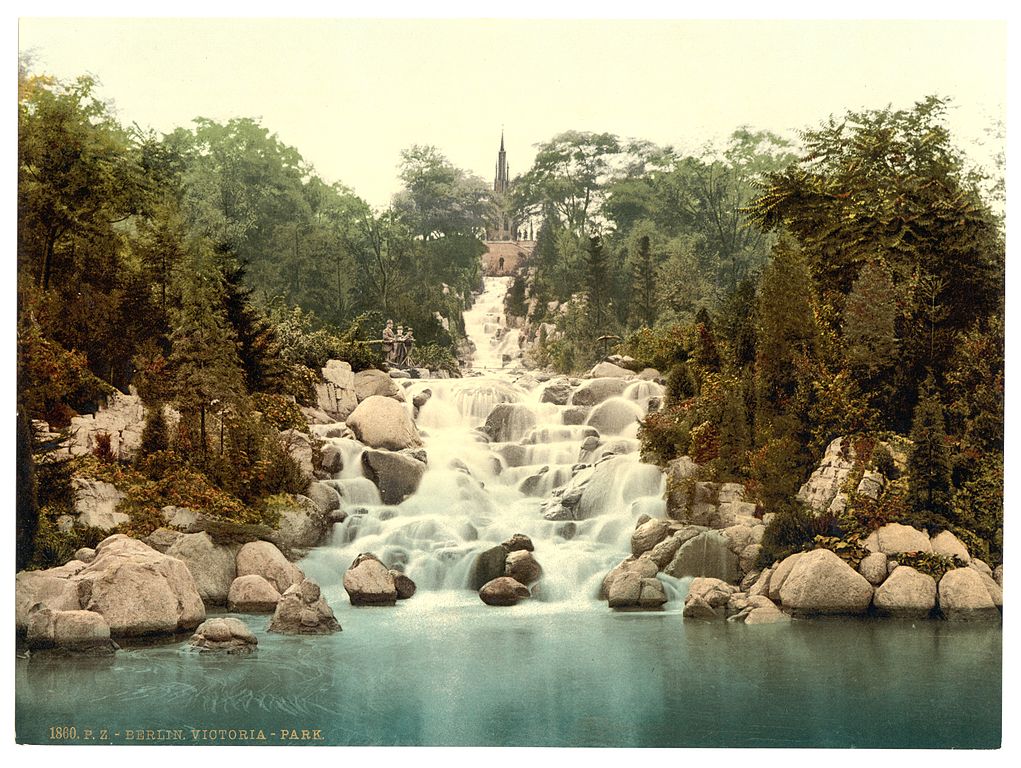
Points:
[(648, 534), (403, 584), (302, 525), (212, 566), (508, 422), (303, 611), (522, 566), (964, 596), (381, 422), (822, 583), (376, 383), (224, 634), (369, 582), (489, 565), (252, 594), (77, 632), (518, 541), (707, 554), (595, 391), (503, 591), (396, 475), (606, 370), (906, 594), (615, 415), (262, 558)]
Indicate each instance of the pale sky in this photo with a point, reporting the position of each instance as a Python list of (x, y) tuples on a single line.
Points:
[(350, 94)]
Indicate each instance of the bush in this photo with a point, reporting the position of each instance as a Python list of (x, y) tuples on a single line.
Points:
[(156, 433), (659, 348), (53, 547), (279, 412), (679, 384), (789, 531), (300, 383), (436, 358), (931, 563), (664, 436)]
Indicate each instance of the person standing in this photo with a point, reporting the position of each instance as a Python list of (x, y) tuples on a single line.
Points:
[(389, 342)]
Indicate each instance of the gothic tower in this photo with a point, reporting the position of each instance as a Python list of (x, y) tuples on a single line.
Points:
[(502, 227), (502, 180)]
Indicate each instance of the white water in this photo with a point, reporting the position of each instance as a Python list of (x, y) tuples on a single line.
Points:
[(476, 494)]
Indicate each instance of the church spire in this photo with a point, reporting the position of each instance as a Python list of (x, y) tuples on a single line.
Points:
[(502, 180)]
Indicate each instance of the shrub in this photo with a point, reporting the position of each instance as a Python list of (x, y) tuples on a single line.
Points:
[(156, 433), (436, 358), (300, 383), (789, 531), (664, 436), (931, 563), (280, 412), (679, 384), (53, 547)]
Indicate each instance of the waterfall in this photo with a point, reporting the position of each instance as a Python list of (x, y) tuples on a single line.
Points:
[(574, 490)]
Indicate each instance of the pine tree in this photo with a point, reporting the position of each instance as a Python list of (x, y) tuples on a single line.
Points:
[(929, 478), (156, 433), (597, 275), (643, 281), (870, 315), (734, 440), (204, 359), (259, 348)]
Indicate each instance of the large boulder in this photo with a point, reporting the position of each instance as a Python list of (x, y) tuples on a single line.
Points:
[(945, 543), (382, 422), (262, 558), (54, 588), (632, 591), (489, 564), (894, 538), (640, 567), (138, 590), (665, 551), (212, 566), (376, 383), (95, 503), (303, 611), (615, 415), (73, 631), (557, 391), (508, 422), (325, 496), (906, 594), (396, 475), (822, 583), (252, 594), (224, 634), (873, 568), (706, 554), (369, 582), (780, 574), (648, 535), (503, 591), (595, 391), (303, 524), (963, 595), (606, 370)]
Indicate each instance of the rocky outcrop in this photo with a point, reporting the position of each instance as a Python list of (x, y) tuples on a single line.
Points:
[(396, 475), (225, 634), (74, 631), (964, 596), (906, 594), (707, 598), (641, 567), (381, 422), (261, 558), (713, 505), (252, 594), (823, 486), (557, 391), (508, 422), (376, 383), (122, 419), (213, 566), (595, 391), (95, 504), (706, 554), (336, 395), (510, 558), (303, 611), (303, 524), (648, 534), (369, 582), (503, 591), (822, 583)]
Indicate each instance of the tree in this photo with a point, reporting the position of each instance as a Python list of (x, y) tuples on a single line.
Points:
[(870, 315), (596, 283), (438, 197), (643, 283), (929, 481), (26, 502), (204, 360)]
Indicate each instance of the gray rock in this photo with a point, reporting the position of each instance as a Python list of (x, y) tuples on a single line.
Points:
[(696, 608), (375, 383), (180, 517), (874, 568), (871, 484), (822, 583), (906, 594), (609, 370), (85, 555), (262, 558), (766, 615), (945, 543), (595, 391), (73, 631), (212, 566), (303, 611), (780, 574), (615, 415), (404, 585), (748, 558), (299, 446), (422, 398), (998, 575), (225, 634), (369, 582), (557, 391), (302, 525), (576, 414), (640, 567), (715, 593), (121, 418), (894, 538), (963, 595), (162, 539), (518, 541), (489, 565), (648, 535), (707, 554), (826, 481), (332, 459), (324, 496), (382, 422), (503, 591), (252, 594), (761, 584), (396, 475), (508, 422)]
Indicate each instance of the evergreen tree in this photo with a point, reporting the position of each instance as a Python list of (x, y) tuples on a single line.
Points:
[(27, 505), (204, 359), (643, 282), (929, 479), (734, 440), (156, 433), (259, 348), (870, 315), (597, 276)]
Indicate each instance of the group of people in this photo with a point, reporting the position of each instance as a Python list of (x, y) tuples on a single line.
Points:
[(397, 345)]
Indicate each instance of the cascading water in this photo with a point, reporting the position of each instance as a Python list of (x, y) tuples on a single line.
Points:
[(478, 492)]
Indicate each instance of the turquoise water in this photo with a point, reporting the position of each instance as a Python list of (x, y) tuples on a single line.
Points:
[(454, 672)]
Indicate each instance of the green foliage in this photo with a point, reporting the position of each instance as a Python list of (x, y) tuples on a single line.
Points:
[(514, 303), (932, 563), (279, 412), (156, 433), (929, 481), (436, 358), (789, 531), (53, 546), (300, 384), (659, 348), (27, 493), (665, 435), (679, 384), (849, 550)]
